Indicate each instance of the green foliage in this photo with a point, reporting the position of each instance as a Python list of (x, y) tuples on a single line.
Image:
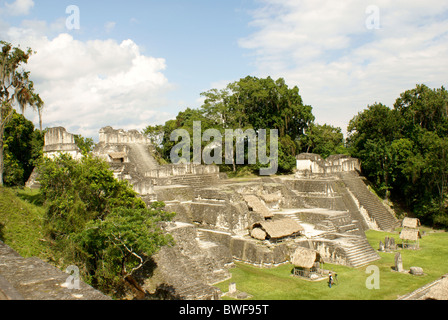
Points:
[(404, 150), (119, 244), (250, 103), (21, 227), (16, 88), (324, 140), (22, 148), (97, 222), (84, 144)]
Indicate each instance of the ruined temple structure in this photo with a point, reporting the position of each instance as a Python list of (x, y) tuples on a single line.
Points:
[(325, 207), (310, 163), (58, 140), (131, 157)]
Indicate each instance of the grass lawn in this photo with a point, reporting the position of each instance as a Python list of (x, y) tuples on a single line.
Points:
[(21, 216), (278, 283)]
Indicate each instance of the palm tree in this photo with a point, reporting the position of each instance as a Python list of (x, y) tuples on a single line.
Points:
[(15, 88), (39, 105)]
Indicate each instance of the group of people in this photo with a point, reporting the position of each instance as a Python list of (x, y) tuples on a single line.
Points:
[(331, 279)]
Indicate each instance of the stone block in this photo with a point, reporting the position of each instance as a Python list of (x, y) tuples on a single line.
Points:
[(416, 271)]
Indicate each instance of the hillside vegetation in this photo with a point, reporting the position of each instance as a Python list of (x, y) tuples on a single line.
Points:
[(21, 222)]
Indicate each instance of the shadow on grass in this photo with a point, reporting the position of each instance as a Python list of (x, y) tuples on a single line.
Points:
[(31, 196)]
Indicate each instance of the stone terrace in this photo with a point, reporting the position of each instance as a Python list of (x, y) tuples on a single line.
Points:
[(32, 279)]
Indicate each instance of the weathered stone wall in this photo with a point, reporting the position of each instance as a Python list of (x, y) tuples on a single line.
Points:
[(58, 140), (249, 251), (174, 193), (252, 251), (229, 217), (314, 164), (182, 169), (330, 251), (188, 269), (109, 135)]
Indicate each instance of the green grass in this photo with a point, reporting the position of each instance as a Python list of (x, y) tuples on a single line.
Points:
[(278, 283), (21, 216)]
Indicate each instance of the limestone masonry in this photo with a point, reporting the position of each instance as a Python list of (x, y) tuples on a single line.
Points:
[(325, 206)]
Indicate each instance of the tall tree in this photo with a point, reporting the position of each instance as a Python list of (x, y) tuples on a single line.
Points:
[(404, 150), (324, 140), (22, 148), (16, 88)]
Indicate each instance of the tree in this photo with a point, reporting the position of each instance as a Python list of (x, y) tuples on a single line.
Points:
[(115, 247), (22, 148), (371, 133), (86, 145), (324, 140), (15, 88), (97, 222), (404, 150), (248, 104)]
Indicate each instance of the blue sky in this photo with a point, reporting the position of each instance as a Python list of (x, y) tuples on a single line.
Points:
[(134, 63)]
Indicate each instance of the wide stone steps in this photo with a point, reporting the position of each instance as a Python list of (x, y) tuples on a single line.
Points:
[(189, 277), (348, 228), (195, 180), (197, 291), (374, 207), (327, 225), (292, 216), (360, 253)]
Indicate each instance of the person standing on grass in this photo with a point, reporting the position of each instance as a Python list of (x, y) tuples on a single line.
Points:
[(330, 279)]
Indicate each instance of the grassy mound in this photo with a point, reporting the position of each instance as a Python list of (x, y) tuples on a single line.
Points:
[(21, 217)]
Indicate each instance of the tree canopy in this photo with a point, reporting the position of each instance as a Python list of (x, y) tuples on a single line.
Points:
[(22, 148), (99, 223), (250, 103), (16, 89), (404, 150)]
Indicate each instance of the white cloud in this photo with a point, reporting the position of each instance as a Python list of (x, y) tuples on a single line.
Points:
[(88, 85), (109, 26), (340, 66), (19, 7)]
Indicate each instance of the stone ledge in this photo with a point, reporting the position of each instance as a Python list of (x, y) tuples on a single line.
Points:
[(33, 279)]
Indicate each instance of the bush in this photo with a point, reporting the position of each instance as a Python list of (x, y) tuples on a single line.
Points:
[(97, 222)]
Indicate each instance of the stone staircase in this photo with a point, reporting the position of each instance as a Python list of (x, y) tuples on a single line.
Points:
[(195, 181), (202, 240), (374, 207), (292, 216), (327, 225), (186, 277), (359, 252), (140, 155)]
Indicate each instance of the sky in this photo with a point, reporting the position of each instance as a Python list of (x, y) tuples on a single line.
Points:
[(130, 64)]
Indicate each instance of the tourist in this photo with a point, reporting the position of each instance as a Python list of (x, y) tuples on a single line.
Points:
[(330, 280)]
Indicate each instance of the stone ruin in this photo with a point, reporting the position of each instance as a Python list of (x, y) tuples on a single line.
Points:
[(328, 200), (32, 279), (58, 140), (310, 163), (389, 245)]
